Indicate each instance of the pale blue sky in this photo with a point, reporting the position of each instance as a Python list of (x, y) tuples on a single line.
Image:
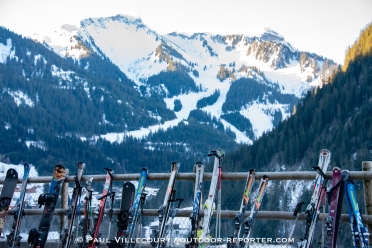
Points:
[(325, 27)]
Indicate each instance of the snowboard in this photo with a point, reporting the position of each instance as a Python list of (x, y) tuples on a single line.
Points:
[(127, 197), (38, 237), (6, 196)]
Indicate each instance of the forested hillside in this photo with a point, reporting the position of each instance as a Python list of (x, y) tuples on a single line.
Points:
[(336, 116)]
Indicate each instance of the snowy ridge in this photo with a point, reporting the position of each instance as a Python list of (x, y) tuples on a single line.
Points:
[(134, 48)]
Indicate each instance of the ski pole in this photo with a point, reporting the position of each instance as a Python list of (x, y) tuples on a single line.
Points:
[(296, 213)]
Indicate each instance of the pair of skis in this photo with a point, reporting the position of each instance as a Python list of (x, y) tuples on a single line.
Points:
[(13, 238), (10, 183), (243, 206), (204, 233), (195, 215), (359, 233), (313, 209), (248, 224), (164, 209), (99, 211), (67, 236)]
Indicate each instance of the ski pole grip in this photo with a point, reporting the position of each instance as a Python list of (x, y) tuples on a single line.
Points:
[(298, 208)]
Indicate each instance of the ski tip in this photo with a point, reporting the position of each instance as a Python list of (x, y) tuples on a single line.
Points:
[(144, 169), (219, 153), (109, 171), (325, 152), (199, 164), (59, 166), (211, 153), (26, 165), (81, 165), (11, 173), (175, 165), (265, 177), (89, 180)]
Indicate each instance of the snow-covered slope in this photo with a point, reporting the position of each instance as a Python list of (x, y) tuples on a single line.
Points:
[(140, 53)]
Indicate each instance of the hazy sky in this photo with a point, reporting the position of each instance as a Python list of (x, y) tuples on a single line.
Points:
[(325, 27)]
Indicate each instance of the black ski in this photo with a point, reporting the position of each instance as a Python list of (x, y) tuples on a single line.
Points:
[(6, 196)]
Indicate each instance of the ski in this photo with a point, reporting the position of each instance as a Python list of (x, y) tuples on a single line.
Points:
[(164, 209), (38, 237), (13, 238), (295, 214), (6, 196), (312, 210), (173, 213), (359, 233), (127, 198), (208, 205), (334, 197), (85, 222), (100, 210), (248, 224), (136, 210), (195, 215), (67, 236), (243, 207)]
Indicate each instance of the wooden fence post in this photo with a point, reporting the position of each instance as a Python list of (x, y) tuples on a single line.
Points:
[(367, 166), (64, 203)]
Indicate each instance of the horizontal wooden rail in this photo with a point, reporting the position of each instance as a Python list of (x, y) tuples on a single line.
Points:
[(226, 214), (290, 175)]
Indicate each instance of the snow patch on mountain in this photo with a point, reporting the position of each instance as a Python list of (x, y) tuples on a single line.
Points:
[(58, 72), (6, 51), (20, 97), (123, 39)]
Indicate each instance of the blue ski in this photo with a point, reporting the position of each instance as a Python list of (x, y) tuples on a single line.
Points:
[(359, 233)]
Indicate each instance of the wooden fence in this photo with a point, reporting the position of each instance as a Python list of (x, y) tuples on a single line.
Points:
[(365, 175)]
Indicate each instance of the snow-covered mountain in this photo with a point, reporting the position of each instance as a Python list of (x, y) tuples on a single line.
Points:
[(213, 61), (214, 64)]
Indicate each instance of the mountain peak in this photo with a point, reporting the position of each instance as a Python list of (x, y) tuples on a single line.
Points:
[(126, 19), (271, 35)]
